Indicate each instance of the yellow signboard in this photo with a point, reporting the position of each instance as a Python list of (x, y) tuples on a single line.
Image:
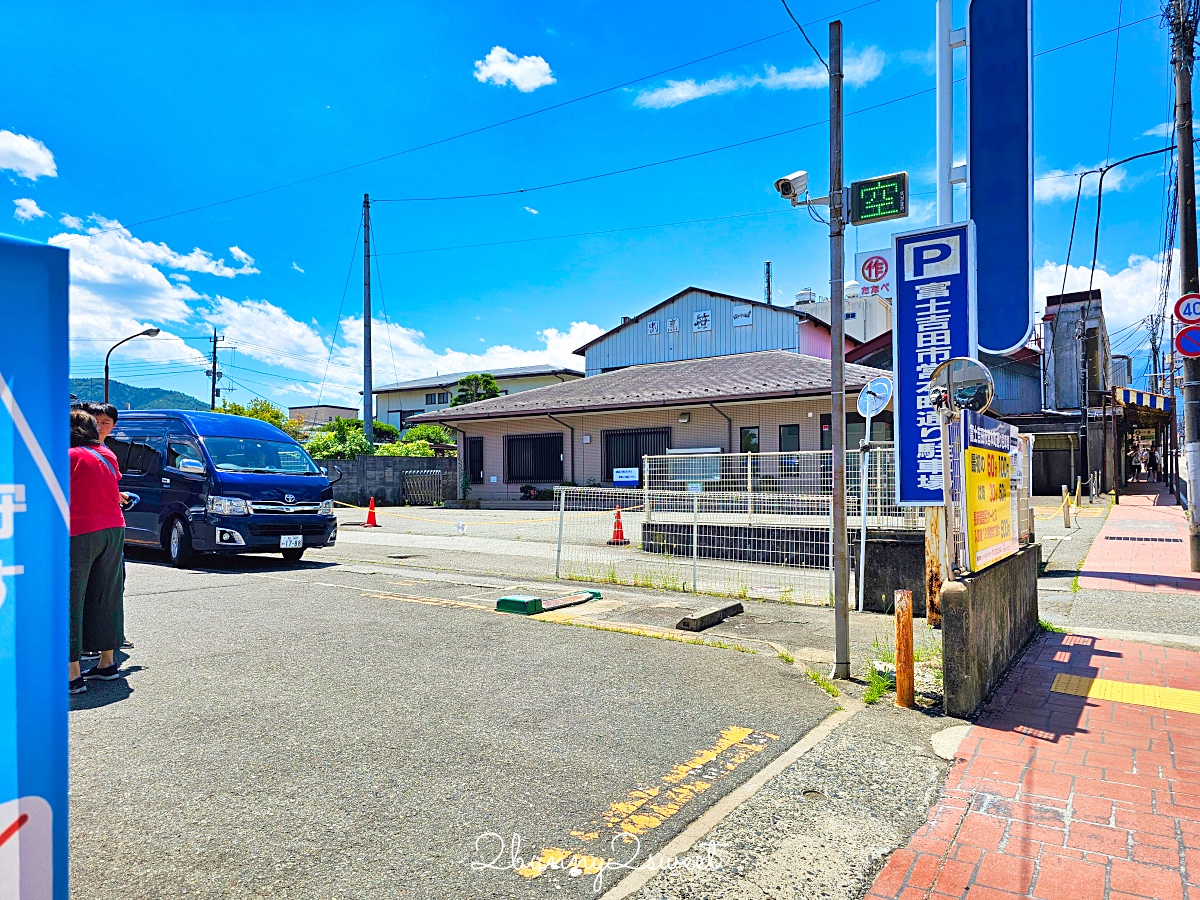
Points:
[(990, 505)]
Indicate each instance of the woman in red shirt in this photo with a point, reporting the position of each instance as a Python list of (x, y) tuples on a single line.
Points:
[(97, 546)]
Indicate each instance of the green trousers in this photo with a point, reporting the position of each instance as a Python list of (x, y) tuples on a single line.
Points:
[(97, 591)]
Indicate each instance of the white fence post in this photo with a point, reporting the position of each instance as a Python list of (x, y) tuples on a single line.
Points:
[(562, 507), (695, 539)]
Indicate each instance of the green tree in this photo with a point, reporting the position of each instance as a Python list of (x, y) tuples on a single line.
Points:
[(341, 443), (266, 411), (427, 431), (472, 388)]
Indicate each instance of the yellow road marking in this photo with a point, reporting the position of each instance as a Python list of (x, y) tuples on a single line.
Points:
[(1176, 699), (425, 601), (646, 808)]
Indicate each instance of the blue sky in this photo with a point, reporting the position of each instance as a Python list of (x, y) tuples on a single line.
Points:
[(130, 116)]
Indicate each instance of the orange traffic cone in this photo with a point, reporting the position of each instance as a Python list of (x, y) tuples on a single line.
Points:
[(618, 538), (371, 523)]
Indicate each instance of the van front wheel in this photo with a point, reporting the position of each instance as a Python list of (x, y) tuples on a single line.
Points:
[(179, 544)]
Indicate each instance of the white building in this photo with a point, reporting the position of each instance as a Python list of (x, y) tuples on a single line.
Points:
[(396, 403)]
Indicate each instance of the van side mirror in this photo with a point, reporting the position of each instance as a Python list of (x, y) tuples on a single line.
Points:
[(191, 466), (324, 471), (339, 478)]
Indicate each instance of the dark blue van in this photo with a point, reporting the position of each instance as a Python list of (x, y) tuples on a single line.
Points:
[(216, 483)]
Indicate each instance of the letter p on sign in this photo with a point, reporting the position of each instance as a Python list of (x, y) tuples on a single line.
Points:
[(933, 258)]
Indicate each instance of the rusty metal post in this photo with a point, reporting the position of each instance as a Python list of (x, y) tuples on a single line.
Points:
[(904, 649), (935, 564)]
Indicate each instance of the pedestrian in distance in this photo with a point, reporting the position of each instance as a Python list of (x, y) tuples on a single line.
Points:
[(1130, 464), (97, 582), (1152, 464)]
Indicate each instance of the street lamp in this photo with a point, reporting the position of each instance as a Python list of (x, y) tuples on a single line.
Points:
[(149, 332)]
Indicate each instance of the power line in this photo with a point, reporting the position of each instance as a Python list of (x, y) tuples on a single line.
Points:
[(383, 306), (474, 131), (804, 34), (337, 322), (1112, 104)]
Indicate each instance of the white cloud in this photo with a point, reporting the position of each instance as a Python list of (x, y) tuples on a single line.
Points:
[(27, 209), (530, 210), (1062, 184), (926, 59), (178, 276), (526, 74), (243, 257), (860, 68), (1166, 129), (1127, 295), (297, 268), (26, 156), (72, 222)]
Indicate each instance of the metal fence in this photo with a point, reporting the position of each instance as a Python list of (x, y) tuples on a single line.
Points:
[(422, 487), (745, 525)]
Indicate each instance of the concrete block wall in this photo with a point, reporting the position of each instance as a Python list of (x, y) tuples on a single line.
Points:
[(987, 619), (382, 477)]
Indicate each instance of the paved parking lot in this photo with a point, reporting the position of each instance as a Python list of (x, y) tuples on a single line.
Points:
[(349, 730)]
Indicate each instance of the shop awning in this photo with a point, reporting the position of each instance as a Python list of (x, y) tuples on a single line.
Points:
[(1144, 399)]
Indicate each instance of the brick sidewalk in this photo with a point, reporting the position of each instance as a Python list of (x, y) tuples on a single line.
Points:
[(1060, 796), (1142, 547)]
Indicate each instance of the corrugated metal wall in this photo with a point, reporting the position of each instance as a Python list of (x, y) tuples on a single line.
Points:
[(770, 328)]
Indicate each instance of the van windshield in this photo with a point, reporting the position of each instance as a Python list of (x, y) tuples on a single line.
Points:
[(230, 454)]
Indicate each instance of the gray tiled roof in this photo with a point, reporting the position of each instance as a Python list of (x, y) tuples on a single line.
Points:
[(769, 374), (452, 378)]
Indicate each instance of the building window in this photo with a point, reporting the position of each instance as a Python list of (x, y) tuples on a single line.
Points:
[(624, 448), (750, 440), (533, 458), (443, 397), (430, 399), (789, 438), (881, 429), (475, 459)]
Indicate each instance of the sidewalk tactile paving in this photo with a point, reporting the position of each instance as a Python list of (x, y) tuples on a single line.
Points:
[(1080, 780)]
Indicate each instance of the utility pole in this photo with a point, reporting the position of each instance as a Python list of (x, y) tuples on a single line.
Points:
[(1172, 454), (213, 373), (1183, 33), (837, 359), (368, 398)]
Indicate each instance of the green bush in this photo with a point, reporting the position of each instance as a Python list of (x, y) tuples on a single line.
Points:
[(340, 443), (405, 448), (427, 431), (384, 433)]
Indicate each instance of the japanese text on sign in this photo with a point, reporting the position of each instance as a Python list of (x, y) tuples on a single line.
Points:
[(990, 514)]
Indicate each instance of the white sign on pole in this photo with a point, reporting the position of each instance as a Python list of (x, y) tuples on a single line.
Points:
[(874, 270)]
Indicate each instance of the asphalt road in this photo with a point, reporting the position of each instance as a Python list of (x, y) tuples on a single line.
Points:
[(333, 729)]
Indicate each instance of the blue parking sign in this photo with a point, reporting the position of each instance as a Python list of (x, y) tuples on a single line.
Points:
[(34, 564), (932, 321)]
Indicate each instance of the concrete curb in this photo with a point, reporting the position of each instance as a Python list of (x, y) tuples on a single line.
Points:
[(639, 877), (707, 618)]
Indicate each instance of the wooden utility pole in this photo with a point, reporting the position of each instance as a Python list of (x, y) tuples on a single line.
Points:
[(368, 397), (213, 373)]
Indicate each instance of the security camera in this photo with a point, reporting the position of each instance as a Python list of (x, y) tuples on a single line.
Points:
[(793, 187)]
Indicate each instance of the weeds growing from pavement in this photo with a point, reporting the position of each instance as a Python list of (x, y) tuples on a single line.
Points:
[(1050, 626), (877, 686), (822, 682), (787, 657)]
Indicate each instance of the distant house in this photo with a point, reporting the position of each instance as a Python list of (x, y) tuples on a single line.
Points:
[(698, 323), (319, 415), (397, 403)]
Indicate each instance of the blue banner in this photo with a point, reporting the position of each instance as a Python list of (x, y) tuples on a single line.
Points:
[(1000, 168), (34, 564), (932, 321)]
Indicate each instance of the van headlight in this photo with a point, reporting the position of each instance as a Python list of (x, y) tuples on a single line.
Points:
[(326, 508), (228, 506)]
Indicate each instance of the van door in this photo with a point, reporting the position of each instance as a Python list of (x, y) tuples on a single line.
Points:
[(185, 475), (139, 447)]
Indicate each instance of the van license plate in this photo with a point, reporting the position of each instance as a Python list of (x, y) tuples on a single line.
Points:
[(291, 541)]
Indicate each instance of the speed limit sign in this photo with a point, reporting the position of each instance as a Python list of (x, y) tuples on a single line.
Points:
[(1187, 309)]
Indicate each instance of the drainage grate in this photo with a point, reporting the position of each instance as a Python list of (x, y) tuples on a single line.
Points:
[(1152, 540)]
